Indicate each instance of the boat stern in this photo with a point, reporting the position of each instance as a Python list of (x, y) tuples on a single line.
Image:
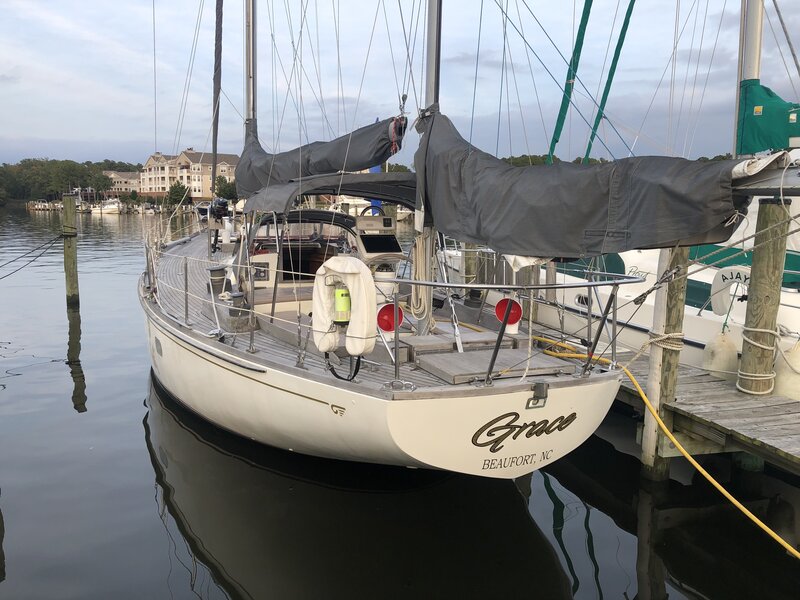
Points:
[(503, 434)]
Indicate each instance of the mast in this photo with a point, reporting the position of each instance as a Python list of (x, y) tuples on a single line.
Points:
[(217, 87), (424, 244), (250, 60), (434, 45), (752, 23)]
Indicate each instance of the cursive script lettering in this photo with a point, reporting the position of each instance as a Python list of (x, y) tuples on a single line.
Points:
[(498, 430)]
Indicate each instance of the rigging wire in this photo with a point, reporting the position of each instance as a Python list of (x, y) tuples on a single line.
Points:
[(340, 83), (601, 114), (658, 86), (780, 52), (674, 63), (502, 79), (521, 113), (187, 82), (475, 79), (533, 79), (688, 68), (391, 49), (788, 37), (508, 92), (694, 82), (708, 74), (408, 73), (556, 81), (603, 67), (318, 66)]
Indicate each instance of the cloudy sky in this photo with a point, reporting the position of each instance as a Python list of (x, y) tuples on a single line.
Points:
[(76, 78)]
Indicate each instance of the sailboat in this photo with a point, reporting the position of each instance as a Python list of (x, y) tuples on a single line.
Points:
[(719, 274), (318, 333)]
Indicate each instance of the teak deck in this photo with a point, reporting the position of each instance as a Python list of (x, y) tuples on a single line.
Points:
[(711, 415)]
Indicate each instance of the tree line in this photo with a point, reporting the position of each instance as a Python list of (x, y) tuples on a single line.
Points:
[(42, 178)]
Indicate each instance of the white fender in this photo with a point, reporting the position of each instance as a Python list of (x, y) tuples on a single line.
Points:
[(362, 329), (724, 279)]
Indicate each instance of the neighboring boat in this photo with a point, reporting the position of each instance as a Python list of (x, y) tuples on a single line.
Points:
[(293, 332), (353, 206), (718, 275), (715, 302), (250, 514), (113, 206), (201, 209)]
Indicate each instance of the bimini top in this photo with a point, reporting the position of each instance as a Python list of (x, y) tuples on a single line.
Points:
[(397, 188)]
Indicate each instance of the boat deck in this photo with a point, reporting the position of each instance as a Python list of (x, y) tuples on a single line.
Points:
[(712, 416), (426, 361)]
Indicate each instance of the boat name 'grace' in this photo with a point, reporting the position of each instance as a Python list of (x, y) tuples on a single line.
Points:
[(499, 429)]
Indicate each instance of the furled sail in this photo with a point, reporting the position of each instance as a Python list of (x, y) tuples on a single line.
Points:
[(358, 150), (570, 210)]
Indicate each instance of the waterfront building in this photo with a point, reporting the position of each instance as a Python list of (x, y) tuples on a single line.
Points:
[(192, 169)]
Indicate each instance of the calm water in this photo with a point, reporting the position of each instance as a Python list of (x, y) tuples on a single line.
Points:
[(108, 489)]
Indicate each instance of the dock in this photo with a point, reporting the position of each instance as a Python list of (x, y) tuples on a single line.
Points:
[(710, 415)]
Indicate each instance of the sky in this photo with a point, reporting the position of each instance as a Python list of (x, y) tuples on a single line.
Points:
[(77, 76)]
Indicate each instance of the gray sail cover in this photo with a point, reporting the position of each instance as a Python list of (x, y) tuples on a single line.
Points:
[(567, 210), (356, 151)]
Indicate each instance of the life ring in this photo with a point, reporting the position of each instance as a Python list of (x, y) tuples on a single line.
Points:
[(723, 280), (362, 329)]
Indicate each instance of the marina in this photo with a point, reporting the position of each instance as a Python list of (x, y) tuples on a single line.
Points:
[(82, 475), (371, 356)]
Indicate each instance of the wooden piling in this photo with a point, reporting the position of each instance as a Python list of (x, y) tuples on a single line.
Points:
[(663, 379), (70, 233), (763, 297)]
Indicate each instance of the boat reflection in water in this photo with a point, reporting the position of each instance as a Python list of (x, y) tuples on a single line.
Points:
[(270, 523)]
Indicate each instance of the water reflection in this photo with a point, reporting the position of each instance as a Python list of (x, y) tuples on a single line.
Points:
[(690, 541), (269, 523), (74, 360), (2, 554)]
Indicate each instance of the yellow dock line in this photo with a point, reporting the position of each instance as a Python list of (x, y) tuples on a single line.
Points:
[(789, 548)]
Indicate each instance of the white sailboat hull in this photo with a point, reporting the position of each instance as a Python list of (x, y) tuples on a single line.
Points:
[(466, 429)]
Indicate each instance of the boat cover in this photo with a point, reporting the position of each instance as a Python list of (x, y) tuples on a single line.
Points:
[(398, 188), (356, 151), (570, 210)]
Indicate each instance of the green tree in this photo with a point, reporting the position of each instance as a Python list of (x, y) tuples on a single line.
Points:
[(101, 183), (526, 160), (134, 196), (225, 189), (397, 168), (177, 193)]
